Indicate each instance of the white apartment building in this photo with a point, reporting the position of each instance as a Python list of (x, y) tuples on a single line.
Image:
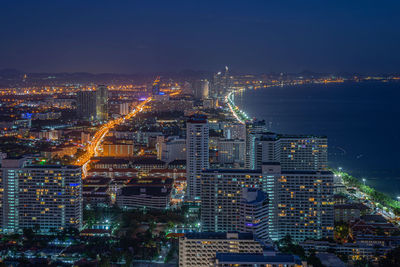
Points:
[(172, 148), (44, 196), (293, 152), (253, 131), (221, 195), (197, 154), (300, 203), (253, 212), (234, 131), (231, 151)]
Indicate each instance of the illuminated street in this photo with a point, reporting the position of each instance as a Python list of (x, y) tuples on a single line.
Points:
[(93, 147)]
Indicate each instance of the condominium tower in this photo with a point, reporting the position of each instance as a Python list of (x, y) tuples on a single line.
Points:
[(197, 154)]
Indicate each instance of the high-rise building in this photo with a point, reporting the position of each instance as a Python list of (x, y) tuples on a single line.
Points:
[(47, 197), (300, 203), (86, 107), (297, 152), (254, 213), (234, 130), (222, 83), (303, 152), (231, 151), (156, 86), (197, 154), (221, 195), (102, 103), (254, 130), (200, 89)]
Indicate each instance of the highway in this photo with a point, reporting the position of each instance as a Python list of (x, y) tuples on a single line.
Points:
[(93, 146)]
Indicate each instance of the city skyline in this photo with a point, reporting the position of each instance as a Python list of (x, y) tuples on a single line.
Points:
[(199, 133)]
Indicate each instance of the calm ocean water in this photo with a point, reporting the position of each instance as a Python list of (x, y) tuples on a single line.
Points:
[(361, 120)]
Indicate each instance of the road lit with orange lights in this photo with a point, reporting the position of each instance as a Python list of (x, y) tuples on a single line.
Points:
[(93, 147)]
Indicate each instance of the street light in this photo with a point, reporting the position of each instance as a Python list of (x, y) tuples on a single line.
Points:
[(364, 181), (398, 198)]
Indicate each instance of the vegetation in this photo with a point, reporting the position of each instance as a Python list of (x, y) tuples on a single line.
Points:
[(286, 245), (382, 199), (342, 232)]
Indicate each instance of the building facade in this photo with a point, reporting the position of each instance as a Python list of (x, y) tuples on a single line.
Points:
[(86, 105), (253, 131), (231, 151), (200, 249), (197, 154), (254, 213), (47, 197), (293, 152), (300, 203), (221, 195), (102, 103)]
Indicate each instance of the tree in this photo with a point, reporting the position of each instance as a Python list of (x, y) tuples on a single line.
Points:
[(286, 246), (314, 260), (28, 234), (36, 228), (362, 263), (342, 232)]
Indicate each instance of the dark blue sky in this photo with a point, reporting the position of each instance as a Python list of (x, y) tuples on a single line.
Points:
[(250, 36)]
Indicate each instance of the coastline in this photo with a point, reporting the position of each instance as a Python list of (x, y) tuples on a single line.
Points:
[(381, 202), (356, 116)]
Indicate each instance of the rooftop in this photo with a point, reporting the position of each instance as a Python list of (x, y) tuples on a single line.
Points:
[(220, 235), (157, 191), (231, 171), (248, 258)]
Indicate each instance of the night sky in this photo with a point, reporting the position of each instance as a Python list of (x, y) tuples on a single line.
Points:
[(249, 36)]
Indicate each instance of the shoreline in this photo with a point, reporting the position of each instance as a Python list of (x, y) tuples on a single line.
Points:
[(390, 208)]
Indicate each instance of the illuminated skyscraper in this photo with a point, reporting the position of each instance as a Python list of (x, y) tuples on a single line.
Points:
[(197, 154), (253, 131), (102, 103), (221, 196), (297, 203), (156, 86), (222, 83), (200, 89), (294, 152), (86, 107), (300, 203)]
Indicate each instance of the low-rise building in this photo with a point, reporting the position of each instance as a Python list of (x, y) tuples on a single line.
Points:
[(348, 212), (257, 260), (200, 249), (355, 251), (146, 193)]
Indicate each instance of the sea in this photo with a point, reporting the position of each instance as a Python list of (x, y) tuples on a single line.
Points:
[(360, 119)]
